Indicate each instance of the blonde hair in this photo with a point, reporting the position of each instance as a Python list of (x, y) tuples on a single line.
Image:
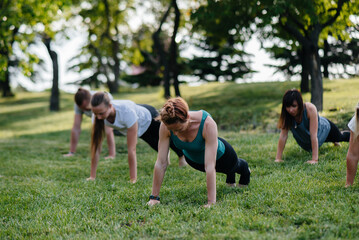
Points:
[(175, 110)]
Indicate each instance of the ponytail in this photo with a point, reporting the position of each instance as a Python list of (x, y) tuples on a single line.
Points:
[(98, 130)]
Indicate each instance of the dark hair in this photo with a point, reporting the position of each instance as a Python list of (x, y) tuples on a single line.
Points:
[(81, 95), (174, 110), (98, 128), (286, 120)]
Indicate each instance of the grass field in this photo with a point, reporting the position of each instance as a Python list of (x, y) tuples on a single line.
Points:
[(46, 196)]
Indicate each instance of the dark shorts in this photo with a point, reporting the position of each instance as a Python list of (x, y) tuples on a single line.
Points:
[(228, 164)]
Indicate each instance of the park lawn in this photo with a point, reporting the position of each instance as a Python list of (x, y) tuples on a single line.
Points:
[(43, 195)]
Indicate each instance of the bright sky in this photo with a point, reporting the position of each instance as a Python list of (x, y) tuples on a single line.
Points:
[(69, 48)]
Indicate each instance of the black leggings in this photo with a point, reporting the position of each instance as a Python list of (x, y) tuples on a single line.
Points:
[(335, 135), (228, 164), (152, 135)]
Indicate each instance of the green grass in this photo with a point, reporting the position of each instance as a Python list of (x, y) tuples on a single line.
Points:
[(46, 196)]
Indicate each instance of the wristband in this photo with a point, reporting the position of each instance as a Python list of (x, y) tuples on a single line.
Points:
[(154, 197)]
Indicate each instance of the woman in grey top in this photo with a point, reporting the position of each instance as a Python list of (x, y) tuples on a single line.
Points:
[(308, 128), (83, 106), (130, 119)]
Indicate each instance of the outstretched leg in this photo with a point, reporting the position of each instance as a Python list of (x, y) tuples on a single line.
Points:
[(335, 136)]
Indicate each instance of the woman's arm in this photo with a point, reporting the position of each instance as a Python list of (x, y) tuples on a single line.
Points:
[(313, 129), (75, 134), (131, 149), (161, 163), (281, 144), (210, 135), (352, 159), (110, 142)]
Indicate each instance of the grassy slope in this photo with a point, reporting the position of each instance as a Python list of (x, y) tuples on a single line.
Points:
[(43, 195)]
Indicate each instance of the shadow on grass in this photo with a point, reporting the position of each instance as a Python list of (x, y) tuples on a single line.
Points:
[(30, 108)]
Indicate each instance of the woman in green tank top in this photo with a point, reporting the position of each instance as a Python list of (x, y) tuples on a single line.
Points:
[(195, 132)]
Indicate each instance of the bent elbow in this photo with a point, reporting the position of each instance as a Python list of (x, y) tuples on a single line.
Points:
[(209, 168)]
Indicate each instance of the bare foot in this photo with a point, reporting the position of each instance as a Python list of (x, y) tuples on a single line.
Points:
[(231, 184), (278, 160), (182, 161), (110, 157), (133, 181)]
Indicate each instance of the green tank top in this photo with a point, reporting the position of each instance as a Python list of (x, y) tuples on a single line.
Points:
[(195, 150)]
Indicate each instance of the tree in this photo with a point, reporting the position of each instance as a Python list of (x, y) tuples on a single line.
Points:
[(15, 14), (169, 63), (29, 15), (55, 92), (305, 21), (101, 55), (53, 14), (219, 29), (155, 51)]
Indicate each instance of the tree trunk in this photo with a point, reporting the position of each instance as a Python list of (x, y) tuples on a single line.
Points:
[(5, 85), (55, 93), (326, 63), (305, 60), (113, 86), (316, 79), (157, 47), (174, 49), (166, 79)]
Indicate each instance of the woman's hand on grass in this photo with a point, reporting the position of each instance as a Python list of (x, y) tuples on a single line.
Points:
[(70, 154), (209, 204), (312, 161), (153, 202)]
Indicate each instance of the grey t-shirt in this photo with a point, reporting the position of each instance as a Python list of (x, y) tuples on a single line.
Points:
[(88, 113), (127, 114)]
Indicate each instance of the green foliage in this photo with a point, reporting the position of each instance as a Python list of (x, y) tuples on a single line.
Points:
[(148, 78), (106, 24), (21, 24), (43, 195), (304, 16), (220, 27)]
